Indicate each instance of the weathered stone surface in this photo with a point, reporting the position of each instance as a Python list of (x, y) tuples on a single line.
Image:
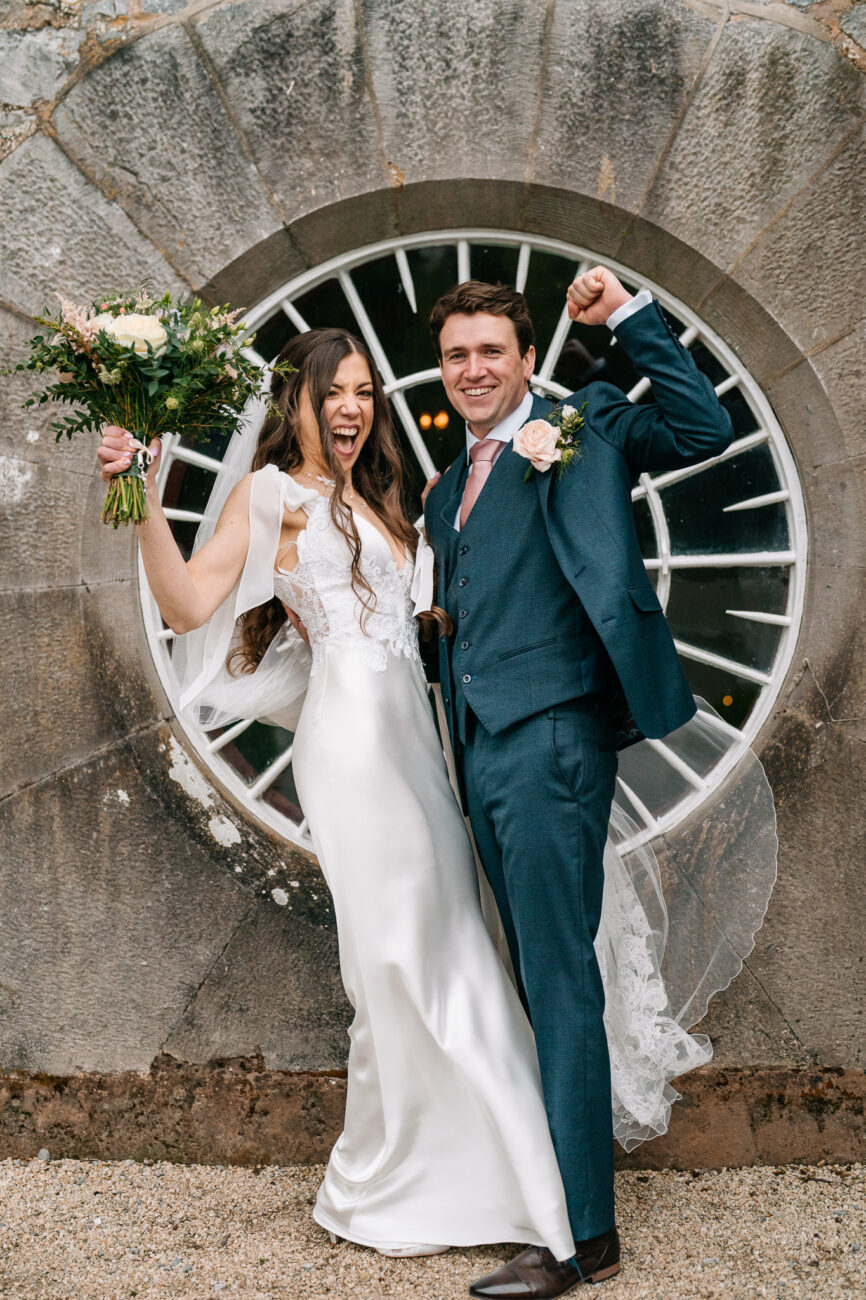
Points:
[(234, 1112), (41, 509), (854, 24), (275, 990), (148, 125), (835, 496), (759, 1116), (806, 414), (486, 59), (256, 272), (766, 115), (801, 269), (615, 81), (111, 940), (812, 963), (740, 317), (296, 79), (61, 235), (842, 370), (745, 1025), (479, 204), (237, 1112), (34, 65), (76, 680)]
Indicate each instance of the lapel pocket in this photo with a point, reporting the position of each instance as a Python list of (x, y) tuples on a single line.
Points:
[(645, 599)]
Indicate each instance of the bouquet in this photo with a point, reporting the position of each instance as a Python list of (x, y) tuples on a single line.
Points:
[(149, 365), (554, 441)]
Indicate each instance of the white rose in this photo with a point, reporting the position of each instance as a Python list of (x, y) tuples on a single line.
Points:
[(134, 331), (568, 412)]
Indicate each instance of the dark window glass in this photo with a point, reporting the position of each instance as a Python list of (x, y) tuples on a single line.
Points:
[(273, 335), (445, 434), (646, 533), (731, 696), (404, 333), (325, 307), (698, 601), (743, 418), (695, 508), (434, 272), (495, 263)]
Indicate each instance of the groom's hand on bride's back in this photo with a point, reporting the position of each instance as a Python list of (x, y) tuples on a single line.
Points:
[(428, 487), (594, 296)]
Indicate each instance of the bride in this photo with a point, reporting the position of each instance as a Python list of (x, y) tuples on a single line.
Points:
[(446, 1140)]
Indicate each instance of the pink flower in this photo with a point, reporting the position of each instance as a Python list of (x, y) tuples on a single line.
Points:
[(537, 442)]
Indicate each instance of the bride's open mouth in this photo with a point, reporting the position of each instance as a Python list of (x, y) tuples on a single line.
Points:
[(345, 439)]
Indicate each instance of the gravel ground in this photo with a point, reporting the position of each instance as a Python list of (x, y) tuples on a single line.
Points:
[(110, 1230)]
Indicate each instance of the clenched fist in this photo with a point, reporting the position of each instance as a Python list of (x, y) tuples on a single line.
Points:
[(594, 296)]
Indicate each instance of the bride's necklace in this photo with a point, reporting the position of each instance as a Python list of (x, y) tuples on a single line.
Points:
[(328, 482)]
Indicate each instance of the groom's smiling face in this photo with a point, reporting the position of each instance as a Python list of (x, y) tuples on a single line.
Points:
[(484, 374)]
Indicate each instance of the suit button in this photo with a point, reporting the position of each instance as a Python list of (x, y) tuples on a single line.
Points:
[(463, 550), (464, 613), (462, 582), (446, 702), (467, 677), (464, 645)]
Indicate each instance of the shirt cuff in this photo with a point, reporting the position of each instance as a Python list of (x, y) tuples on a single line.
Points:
[(642, 299)]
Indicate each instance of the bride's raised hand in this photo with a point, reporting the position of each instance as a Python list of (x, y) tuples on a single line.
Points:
[(116, 450)]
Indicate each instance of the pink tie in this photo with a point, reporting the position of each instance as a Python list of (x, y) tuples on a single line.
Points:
[(482, 454)]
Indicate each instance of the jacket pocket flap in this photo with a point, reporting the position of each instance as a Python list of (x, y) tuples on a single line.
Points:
[(645, 598)]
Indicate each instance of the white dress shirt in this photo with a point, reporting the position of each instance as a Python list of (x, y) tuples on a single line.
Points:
[(506, 429)]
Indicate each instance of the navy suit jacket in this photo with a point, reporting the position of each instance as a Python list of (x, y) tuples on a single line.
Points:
[(546, 584)]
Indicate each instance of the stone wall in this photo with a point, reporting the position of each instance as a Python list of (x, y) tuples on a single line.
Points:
[(716, 148)]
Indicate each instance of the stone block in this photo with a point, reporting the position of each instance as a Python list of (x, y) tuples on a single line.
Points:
[(576, 218), (836, 504), (764, 117), (759, 340), (614, 83), (480, 204), (807, 269), (667, 261), (345, 226), (275, 990), (854, 24), (35, 64), (78, 677), (147, 124), (105, 940), (60, 234), (256, 272), (841, 368), (806, 414), (42, 507), (456, 85), (296, 80)]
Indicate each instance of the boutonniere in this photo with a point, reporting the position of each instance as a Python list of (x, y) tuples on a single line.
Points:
[(554, 441)]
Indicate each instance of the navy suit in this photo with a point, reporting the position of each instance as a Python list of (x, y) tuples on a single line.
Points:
[(557, 629)]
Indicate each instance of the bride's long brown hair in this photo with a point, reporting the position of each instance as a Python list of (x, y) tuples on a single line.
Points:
[(377, 475)]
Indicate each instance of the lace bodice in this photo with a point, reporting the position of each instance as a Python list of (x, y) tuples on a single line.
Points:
[(320, 588)]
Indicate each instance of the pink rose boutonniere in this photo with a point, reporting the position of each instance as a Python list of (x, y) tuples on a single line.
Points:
[(553, 441)]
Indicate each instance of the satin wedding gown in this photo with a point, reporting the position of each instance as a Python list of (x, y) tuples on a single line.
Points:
[(446, 1139)]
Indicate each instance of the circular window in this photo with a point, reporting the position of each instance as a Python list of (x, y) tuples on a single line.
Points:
[(724, 542)]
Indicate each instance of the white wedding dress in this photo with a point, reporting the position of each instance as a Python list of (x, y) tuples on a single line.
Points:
[(446, 1138)]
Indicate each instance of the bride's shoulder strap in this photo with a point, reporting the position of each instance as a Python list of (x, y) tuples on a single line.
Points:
[(296, 497)]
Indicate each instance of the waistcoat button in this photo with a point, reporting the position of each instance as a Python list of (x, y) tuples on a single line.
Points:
[(463, 613), (466, 677), (462, 582)]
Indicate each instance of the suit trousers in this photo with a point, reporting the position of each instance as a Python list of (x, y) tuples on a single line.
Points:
[(538, 797)]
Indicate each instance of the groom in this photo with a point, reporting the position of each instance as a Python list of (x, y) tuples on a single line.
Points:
[(557, 635)]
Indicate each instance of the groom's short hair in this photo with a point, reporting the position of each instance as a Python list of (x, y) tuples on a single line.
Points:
[(476, 296)]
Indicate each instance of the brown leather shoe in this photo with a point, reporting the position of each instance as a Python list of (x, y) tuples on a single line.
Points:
[(535, 1274)]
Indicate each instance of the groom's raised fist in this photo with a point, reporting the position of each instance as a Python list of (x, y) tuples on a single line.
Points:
[(594, 296)]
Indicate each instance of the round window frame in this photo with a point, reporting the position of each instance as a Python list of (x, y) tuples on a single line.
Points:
[(769, 431)]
